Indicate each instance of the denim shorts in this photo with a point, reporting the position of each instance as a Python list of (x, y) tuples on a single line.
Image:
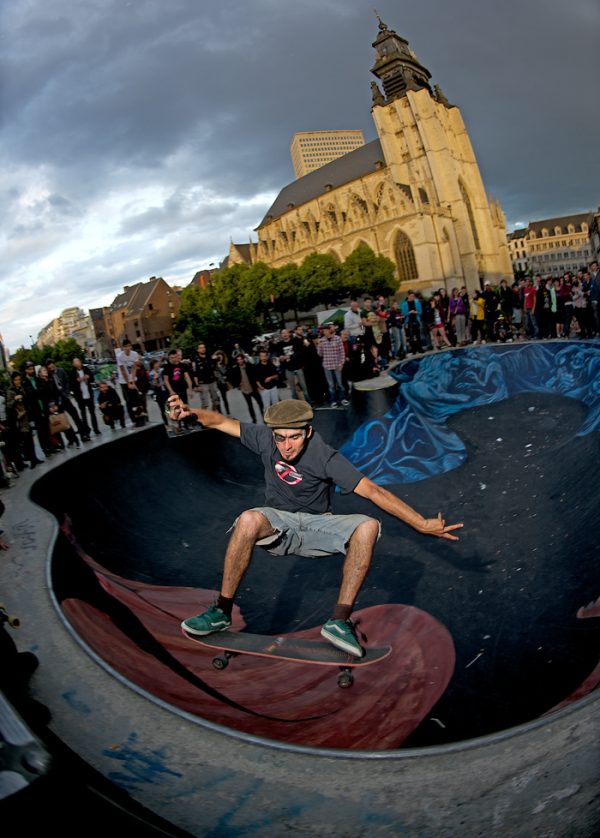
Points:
[(305, 534)]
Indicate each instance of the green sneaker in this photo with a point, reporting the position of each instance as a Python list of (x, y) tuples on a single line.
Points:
[(208, 622), (343, 635)]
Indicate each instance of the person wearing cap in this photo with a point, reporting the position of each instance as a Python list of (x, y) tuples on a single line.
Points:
[(301, 470)]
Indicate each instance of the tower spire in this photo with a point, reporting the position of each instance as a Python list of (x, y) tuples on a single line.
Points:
[(396, 65), (381, 23)]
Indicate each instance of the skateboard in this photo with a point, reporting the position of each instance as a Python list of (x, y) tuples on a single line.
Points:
[(296, 650)]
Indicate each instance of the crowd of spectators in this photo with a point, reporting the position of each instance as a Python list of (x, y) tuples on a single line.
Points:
[(321, 365)]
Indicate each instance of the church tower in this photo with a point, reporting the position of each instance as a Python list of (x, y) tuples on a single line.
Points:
[(396, 65), (457, 235), (414, 194)]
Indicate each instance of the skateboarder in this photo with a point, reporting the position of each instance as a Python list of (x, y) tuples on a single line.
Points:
[(300, 472)]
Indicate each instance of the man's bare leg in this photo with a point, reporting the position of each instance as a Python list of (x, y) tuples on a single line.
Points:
[(338, 630), (357, 563), (251, 527)]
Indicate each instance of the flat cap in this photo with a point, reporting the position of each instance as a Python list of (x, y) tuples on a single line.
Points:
[(290, 413)]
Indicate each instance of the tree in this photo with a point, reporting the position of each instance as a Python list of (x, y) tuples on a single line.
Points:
[(365, 273), (224, 312), (62, 352), (254, 288), (284, 289), (65, 351), (4, 380), (320, 282), (23, 354)]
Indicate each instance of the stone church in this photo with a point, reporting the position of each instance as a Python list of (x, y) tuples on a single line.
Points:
[(414, 195)]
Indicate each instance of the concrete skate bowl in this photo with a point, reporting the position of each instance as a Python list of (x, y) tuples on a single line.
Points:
[(492, 632)]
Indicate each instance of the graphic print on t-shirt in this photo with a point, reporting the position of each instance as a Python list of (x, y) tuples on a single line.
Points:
[(287, 473)]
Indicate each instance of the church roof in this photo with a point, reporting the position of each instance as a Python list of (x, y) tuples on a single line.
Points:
[(362, 161), (245, 252)]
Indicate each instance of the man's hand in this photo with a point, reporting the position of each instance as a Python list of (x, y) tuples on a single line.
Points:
[(395, 506), (177, 409), (437, 526)]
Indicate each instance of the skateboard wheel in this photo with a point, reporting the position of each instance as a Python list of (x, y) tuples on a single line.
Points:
[(220, 662), (345, 680), (5, 617)]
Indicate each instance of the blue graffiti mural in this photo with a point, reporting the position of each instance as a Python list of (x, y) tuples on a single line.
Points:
[(76, 703), (412, 442), (137, 766)]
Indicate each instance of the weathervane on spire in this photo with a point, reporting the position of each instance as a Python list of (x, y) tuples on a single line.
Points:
[(382, 25)]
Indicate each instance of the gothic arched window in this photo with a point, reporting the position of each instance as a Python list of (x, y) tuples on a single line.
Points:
[(467, 201), (405, 258)]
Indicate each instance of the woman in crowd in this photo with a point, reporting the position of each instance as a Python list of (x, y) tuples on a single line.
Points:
[(436, 324), (443, 303), (457, 313), (580, 304), (51, 410)]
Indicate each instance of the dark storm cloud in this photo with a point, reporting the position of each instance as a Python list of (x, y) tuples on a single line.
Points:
[(189, 108), (132, 88), (129, 84)]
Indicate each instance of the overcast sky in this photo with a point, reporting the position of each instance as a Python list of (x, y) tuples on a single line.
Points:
[(139, 136)]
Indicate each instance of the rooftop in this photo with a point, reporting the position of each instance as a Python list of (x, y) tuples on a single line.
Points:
[(362, 161)]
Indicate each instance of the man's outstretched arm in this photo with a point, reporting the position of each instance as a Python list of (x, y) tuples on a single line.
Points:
[(394, 506), (209, 418)]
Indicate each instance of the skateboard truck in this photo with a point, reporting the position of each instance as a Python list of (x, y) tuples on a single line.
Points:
[(221, 662), (345, 679)]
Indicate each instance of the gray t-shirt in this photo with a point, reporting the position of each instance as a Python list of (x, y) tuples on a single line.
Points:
[(304, 485)]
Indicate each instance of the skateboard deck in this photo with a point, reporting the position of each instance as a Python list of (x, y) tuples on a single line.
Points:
[(298, 650)]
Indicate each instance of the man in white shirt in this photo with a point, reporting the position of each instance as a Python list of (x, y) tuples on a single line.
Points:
[(126, 374), (353, 322)]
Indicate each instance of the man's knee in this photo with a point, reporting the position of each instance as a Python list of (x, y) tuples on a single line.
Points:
[(368, 530), (253, 523)]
